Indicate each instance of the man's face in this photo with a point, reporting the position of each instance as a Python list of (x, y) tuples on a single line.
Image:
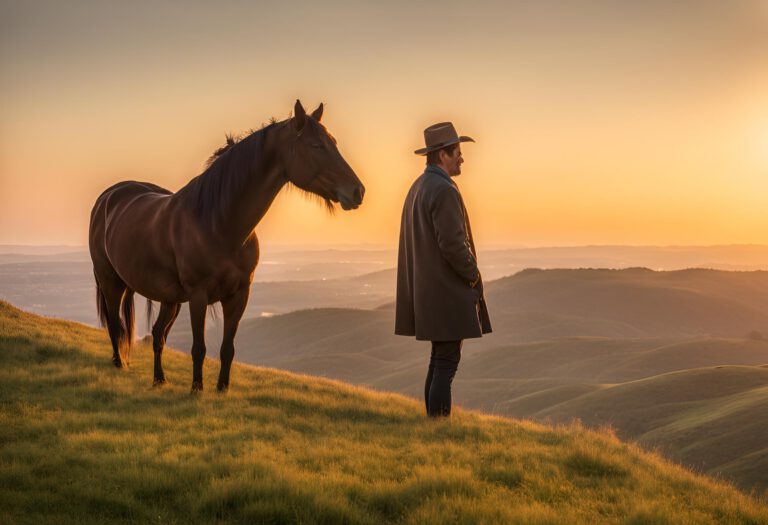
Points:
[(452, 163)]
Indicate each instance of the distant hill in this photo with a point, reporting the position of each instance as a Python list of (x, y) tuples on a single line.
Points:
[(40, 250), (501, 262), (605, 360), (637, 302), (316, 262), (714, 419), (83, 442), (65, 288), (537, 305), (528, 306)]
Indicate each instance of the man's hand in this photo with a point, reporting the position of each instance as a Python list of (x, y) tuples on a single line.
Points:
[(478, 284)]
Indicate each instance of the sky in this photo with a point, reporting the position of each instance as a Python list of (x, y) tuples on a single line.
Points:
[(597, 122)]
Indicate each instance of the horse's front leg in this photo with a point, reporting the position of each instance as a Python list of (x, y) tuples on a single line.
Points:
[(233, 307), (198, 306)]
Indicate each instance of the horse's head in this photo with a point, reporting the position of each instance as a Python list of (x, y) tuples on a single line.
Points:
[(315, 164)]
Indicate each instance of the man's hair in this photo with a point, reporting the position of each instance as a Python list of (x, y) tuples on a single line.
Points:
[(433, 157)]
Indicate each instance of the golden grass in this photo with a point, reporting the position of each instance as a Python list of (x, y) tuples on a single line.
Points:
[(83, 442)]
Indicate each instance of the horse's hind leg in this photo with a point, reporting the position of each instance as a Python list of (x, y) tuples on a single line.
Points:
[(233, 307), (165, 319)]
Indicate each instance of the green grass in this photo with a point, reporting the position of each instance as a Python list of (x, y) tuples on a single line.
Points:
[(83, 442)]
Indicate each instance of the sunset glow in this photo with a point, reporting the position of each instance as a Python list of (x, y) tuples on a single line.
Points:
[(596, 122)]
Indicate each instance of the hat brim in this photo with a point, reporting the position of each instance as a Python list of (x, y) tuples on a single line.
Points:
[(435, 147)]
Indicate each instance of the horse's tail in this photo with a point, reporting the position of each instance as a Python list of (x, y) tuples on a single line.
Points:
[(126, 330), (149, 315), (101, 303), (213, 311)]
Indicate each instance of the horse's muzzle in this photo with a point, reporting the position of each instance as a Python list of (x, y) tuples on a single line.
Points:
[(351, 198)]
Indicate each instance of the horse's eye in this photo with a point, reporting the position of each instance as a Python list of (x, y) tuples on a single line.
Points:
[(317, 145)]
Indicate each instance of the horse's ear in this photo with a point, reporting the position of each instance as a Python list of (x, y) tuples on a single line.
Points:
[(318, 113), (299, 116)]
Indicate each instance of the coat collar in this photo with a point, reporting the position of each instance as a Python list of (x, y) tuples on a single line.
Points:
[(437, 170)]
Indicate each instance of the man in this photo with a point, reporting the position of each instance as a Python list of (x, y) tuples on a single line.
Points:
[(439, 288)]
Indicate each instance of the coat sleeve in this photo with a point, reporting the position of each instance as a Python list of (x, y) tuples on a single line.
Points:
[(448, 221)]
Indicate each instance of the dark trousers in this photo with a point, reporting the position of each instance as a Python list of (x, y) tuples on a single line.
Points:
[(442, 367)]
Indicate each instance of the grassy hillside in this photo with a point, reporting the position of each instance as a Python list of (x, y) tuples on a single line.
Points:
[(520, 380), (84, 442), (714, 419)]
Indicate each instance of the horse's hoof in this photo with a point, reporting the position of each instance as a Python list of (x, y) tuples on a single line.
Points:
[(159, 381), (197, 387), (117, 362), (222, 388)]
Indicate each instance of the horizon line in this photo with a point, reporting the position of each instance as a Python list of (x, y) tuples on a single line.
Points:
[(382, 246)]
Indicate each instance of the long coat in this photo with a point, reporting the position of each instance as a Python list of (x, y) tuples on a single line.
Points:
[(436, 265)]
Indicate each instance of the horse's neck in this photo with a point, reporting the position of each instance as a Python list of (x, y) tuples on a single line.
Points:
[(266, 181)]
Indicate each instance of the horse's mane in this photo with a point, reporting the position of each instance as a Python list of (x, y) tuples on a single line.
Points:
[(232, 140), (226, 174), (227, 171)]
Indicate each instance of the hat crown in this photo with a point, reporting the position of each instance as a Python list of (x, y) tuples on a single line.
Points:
[(442, 133)]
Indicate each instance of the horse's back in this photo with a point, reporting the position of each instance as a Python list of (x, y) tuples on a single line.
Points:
[(117, 199), (134, 185), (127, 190)]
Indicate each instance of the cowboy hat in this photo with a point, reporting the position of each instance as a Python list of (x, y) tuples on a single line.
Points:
[(439, 136)]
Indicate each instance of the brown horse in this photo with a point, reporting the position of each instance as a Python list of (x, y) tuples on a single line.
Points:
[(198, 244)]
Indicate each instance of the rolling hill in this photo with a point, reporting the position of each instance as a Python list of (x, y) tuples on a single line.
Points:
[(84, 442), (634, 302), (537, 305), (534, 304), (713, 419)]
